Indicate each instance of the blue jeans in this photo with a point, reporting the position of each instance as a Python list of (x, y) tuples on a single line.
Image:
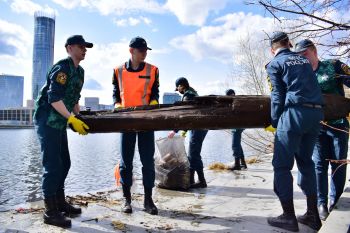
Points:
[(146, 151), (236, 143), (195, 148), (55, 157), (331, 144), (295, 138)]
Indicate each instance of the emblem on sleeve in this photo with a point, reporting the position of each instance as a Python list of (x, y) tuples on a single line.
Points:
[(61, 78), (345, 68)]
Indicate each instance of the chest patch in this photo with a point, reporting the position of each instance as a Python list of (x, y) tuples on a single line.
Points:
[(145, 76)]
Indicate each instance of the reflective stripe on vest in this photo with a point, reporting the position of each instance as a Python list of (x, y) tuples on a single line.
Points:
[(135, 87)]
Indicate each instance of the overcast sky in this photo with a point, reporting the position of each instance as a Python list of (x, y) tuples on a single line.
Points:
[(192, 38)]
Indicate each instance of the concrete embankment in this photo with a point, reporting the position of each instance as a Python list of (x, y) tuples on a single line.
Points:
[(237, 201)]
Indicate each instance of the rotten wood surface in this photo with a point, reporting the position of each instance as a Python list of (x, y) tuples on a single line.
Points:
[(205, 112)]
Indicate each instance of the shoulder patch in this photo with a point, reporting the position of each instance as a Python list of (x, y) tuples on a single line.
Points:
[(61, 78), (345, 69)]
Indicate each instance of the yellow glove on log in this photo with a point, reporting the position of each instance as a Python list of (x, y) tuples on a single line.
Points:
[(270, 129), (153, 102), (77, 125), (183, 133), (118, 106)]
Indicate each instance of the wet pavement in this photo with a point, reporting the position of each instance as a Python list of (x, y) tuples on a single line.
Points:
[(237, 201)]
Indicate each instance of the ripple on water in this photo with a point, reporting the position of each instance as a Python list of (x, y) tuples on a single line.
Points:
[(93, 158)]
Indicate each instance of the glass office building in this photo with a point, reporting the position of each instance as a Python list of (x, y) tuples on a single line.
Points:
[(16, 117), (43, 49), (92, 103), (11, 91), (170, 98)]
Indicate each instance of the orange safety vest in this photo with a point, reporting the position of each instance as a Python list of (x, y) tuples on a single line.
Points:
[(135, 87)]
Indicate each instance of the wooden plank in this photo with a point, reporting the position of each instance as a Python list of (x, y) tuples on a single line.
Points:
[(205, 112)]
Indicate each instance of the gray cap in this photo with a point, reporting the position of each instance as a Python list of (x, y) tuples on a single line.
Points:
[(302, 45)]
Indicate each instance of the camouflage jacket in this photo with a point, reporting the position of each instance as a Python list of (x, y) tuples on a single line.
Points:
[(63, 82), (332, 75)]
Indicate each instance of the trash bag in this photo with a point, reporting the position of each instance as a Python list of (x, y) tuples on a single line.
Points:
[(171, 163)]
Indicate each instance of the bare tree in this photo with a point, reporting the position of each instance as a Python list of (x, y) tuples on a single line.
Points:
[(248, 72), (327, 22), (249, 66)]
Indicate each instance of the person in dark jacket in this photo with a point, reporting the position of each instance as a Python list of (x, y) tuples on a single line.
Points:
[(237, 149), (332, 75), (296, 112), (196, 138)]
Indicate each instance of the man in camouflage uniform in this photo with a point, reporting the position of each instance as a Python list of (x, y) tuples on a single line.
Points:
[(57, 100), (331, 143)]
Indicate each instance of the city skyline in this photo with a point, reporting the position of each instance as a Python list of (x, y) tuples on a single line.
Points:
[(188, 38), (197, 39)]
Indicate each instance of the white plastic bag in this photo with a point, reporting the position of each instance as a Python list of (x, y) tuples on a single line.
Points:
[(171, 162)]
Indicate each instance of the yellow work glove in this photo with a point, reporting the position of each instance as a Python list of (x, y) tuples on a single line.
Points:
[(270, 129), (153, 102), (118, 106), (183, 133), (77, 125)]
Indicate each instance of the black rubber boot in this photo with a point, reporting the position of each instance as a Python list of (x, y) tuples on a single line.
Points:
[(332, 205), (126, 208), (201, 180), (323, 212), (311, 218), (237, 165), (287, 220), (65, 207), (243, 164), (191, 176), (148, 204), (54, 217)]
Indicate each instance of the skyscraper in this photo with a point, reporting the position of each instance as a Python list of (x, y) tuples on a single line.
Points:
[(11, 91), (43, 49)]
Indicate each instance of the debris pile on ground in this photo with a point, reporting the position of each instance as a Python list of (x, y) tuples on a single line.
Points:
[(119, 225), (218, 166), (101, 197), (35, 210), (253, 160)]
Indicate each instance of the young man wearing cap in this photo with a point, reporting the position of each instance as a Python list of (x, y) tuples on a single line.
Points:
[(331, 143), (136, 83), (296, 110), (57, 105), (237, 149), (196, 137)]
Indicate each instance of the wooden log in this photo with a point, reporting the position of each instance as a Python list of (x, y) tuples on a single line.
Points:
[(205, 112)]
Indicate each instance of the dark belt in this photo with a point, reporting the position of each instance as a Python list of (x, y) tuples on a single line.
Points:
[(312, 105)]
